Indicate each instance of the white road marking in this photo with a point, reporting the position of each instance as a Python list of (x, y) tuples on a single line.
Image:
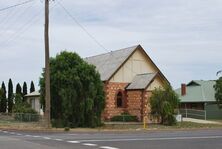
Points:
[(36, 136), (58, 139), (5, 131), (108, 147), (153, 139), (12, 133), (18, 134), (73, 141), (28, 135), (89, 144), (47, 138)]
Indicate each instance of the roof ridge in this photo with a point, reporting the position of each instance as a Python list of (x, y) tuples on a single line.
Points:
[(110, 52)]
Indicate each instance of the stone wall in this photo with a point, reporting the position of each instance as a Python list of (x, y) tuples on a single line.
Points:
[(134, 104), (111, 89)]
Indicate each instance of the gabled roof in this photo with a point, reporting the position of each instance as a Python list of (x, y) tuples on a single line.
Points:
[(198, 91), (109, 63), (32, 94), (141, 81)]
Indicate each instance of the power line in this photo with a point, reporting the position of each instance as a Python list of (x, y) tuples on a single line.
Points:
[(82, 27), (23, 28), (16, 5), (13, 21), (91, 36)]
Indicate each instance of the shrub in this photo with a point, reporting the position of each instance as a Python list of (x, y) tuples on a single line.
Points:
[(23, 111), (76, 90), (66, 129), (124, 117), (163, 104), (26, 117)]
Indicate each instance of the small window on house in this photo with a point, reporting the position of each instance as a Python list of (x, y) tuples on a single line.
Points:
[(32, 102), (119, 100)]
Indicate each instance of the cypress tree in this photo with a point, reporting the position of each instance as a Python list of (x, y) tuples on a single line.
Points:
[(3, 104), (32, 87), (1, 95), (18, 89), (24, 90), (10, 96)]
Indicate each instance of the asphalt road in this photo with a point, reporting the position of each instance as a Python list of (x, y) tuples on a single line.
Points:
[(193, 139)]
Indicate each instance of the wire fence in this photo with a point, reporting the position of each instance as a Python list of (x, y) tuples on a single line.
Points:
[(193, 113), (20, 117)]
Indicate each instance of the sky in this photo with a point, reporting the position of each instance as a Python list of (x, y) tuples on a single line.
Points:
[(183, 37)]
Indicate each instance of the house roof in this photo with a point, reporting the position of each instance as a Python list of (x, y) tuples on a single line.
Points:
[(198, 91), (109, 62), (141, 81), (32, 94)]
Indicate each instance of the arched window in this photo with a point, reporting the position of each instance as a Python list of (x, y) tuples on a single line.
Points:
[(119, 99)]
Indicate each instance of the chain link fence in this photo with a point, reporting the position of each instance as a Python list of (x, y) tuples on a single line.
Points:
[(20, 117)]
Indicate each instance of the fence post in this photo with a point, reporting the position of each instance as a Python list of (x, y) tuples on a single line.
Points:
[(205, 114), (186, 112)]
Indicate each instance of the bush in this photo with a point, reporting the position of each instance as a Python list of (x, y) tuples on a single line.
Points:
[(57, 123), (23, 111), (163, 103), (170, 120), (66, 129), (26, 117), (76, 90), (124, 117)]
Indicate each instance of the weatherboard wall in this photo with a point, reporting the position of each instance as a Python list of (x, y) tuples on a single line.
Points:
[(138, 63)]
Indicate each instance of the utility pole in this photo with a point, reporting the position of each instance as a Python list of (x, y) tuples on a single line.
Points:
[(47, 69)]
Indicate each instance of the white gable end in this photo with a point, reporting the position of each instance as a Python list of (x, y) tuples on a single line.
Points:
[(138, 63)]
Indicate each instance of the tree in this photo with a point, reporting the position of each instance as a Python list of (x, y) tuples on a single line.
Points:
[(218, 92), (24, 90), (18, 89), (10, 96), (163, 103), (1, 96), (76, 91), (3, 103), (32, 87)]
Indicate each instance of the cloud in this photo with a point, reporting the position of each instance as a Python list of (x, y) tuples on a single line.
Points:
[(182, 37)]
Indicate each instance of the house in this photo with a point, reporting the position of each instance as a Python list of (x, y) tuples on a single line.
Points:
[(34, 100), (129, 76), (199, 95)]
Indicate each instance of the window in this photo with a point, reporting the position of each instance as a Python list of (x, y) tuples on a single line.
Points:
[(119, 100), (32, 102)]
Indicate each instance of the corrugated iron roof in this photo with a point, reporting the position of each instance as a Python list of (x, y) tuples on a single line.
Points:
[(198, 91), (35, 93), (141, 81), (106, 64)]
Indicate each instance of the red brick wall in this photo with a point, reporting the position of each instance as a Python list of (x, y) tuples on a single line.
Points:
[(111, 89)]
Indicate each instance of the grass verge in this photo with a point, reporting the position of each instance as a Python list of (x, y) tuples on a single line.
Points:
[(35, 126)]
